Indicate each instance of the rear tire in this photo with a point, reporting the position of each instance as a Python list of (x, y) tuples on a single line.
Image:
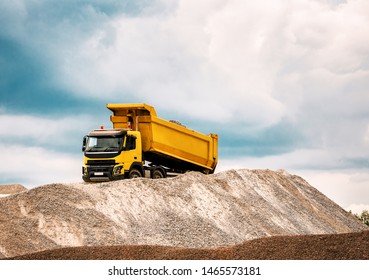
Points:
[(134, 173), (157, 174)]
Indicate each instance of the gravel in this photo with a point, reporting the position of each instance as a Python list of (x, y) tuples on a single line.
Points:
[(191, 210), (344, 246)]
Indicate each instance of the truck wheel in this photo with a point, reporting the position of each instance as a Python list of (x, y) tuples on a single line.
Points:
[(157, 174), (134, 173)]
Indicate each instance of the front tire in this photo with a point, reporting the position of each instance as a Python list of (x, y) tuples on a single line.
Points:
[(86, 180), (134, 173)]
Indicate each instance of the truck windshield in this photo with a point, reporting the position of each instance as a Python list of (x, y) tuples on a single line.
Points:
[(104, 144)]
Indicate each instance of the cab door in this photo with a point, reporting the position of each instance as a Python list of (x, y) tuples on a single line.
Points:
[(131, 150)]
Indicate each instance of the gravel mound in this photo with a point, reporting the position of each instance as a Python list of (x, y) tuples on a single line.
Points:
[(191, 210), (11, 189)]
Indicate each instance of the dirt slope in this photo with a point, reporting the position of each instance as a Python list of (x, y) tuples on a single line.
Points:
[(11, 189), (191, 210)]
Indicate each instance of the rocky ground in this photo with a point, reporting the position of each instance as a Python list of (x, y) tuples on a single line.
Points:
[(224, 215)]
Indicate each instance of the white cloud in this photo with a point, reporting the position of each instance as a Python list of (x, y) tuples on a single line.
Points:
[(42, 130), (33, 166), (340, 185), (244, 60), (36, 150), (357, 208), (300, 159), (366, 137), (241, 59)]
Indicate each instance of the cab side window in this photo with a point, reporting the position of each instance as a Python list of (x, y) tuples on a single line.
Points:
[(130, 143)]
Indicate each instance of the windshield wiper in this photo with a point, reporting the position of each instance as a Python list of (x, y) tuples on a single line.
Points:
[(94, 149), (111, 149)]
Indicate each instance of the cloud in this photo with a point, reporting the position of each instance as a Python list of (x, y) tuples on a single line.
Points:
[(340, 185), (40, 149), (169, 56), (60, 134), (34, 166), (159, 60), (223, 56), (366, 136), (357, 208), (298, 159)]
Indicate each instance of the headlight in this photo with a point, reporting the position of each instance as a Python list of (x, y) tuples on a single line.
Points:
[(84, 170), (117, 169)]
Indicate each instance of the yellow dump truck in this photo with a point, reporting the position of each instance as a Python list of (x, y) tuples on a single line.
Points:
[(142, 144)]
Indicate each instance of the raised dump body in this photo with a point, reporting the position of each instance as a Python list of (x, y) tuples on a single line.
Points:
[(167, 143)]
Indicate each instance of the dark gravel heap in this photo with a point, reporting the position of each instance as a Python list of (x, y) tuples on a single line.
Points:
[(346, 246)]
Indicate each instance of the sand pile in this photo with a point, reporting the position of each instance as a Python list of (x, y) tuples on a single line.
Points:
[(191, 210), (8, 189)]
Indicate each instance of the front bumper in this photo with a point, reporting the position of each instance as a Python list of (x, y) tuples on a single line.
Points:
[(102, 172)]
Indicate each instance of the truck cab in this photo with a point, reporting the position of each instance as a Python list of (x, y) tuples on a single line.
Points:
[(111, 154)]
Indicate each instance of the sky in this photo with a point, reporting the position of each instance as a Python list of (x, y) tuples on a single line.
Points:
[(285, 84)]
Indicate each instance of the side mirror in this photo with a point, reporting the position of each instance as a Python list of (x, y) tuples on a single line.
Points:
[(84, 143)]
